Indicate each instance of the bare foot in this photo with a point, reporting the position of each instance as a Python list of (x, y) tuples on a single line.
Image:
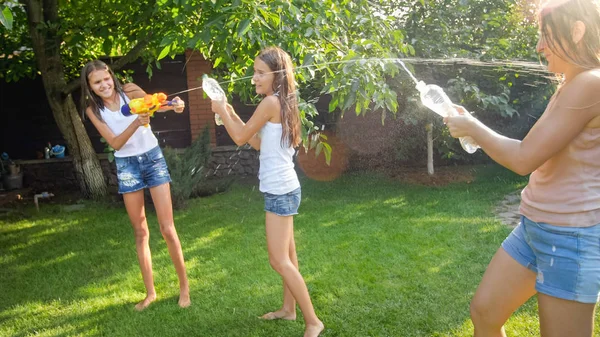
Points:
[(145, 303), (279, 314), (184, 300), (314, 330)]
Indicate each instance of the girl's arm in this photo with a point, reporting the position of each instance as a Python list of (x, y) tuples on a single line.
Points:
[(254, 141), (241, 132), (116, 142), (567, 114), (133, 91)]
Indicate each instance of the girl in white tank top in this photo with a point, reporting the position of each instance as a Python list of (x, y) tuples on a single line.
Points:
[(274, 129), (140, 165)]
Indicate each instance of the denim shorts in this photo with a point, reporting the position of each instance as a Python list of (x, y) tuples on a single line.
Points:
[(148, 169), (566, 259), (283, 204)]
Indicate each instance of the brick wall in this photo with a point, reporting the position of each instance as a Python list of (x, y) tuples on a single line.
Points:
[(199, 107)]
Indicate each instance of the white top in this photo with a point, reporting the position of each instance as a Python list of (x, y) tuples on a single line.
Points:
[(276, 172), (140, 142)]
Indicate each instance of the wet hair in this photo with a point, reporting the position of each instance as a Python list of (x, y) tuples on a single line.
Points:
[(88, 97), (280, 63), (556, 25)]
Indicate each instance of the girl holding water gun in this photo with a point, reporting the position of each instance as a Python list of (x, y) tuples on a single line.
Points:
[(555, 250), (277, 120), (140, 164)]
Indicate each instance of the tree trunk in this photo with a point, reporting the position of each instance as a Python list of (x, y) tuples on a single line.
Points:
[(43, 22), (429, 128)]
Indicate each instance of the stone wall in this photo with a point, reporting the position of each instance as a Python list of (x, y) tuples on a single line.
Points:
[(233, 160), (58, 173)]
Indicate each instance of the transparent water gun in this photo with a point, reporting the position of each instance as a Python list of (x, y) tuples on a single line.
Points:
[(213, 90), (434, 97)]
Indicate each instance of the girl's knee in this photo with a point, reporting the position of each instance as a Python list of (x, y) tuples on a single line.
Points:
[(141, 232), (168, 231), (280, 264), (483, 314)]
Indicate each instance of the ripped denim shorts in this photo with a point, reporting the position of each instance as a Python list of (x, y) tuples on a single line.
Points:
[(145, 170), (283, 204), (566, 259)]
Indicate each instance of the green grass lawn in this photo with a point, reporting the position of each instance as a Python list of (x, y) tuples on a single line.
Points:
[(381, 258)]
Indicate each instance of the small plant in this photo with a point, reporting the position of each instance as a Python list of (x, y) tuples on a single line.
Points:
[(188, 169), (7, 166), (108, 149)]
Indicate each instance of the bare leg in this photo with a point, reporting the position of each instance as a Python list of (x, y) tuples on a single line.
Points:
[(560, 317), (505, 286), (279, 236), (161, 196), (134, 203), (288, 310)]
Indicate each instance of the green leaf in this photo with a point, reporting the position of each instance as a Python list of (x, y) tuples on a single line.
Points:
[(6, 17), (243, 27), (217, 61), (205, 36), (333, 104), (318, 149), (107, 46), (164, 52), (327, 152)]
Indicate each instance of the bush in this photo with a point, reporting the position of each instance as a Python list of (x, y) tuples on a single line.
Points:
[(188, 168)]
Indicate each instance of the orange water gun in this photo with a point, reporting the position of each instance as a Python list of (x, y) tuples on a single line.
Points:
[(146, 105)]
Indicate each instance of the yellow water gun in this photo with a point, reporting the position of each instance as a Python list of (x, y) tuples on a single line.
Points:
[(146, 105)]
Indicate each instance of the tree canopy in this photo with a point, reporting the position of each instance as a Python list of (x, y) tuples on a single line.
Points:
[(341, 47)]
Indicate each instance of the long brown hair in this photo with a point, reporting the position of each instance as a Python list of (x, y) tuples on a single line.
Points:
[(88, 97), (556, 29), (280, 63)]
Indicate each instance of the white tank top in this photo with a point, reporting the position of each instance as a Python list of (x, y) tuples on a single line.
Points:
[(140, 142), (276, 172)]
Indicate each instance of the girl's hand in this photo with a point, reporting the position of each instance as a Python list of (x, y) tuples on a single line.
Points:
[(219, 107), (461, 124), (178, 104), (143, 119)]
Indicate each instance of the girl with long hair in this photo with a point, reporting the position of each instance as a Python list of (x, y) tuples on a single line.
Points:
[(554, 252), (274, 129), (140, 165)]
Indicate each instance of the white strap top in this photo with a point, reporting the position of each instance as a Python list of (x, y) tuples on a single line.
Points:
[(276, 171), (140, 142)]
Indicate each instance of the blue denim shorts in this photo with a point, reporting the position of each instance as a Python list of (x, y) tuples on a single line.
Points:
[(566, 259), (283, 204), (148, 169)]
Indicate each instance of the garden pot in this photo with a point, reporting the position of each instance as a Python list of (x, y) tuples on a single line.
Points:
[(13, 182), (14, 169)]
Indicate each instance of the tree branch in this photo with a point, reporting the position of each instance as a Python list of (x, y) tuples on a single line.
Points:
[(131, 56)]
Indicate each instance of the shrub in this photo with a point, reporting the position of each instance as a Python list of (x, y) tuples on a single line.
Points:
[(188, 168)]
